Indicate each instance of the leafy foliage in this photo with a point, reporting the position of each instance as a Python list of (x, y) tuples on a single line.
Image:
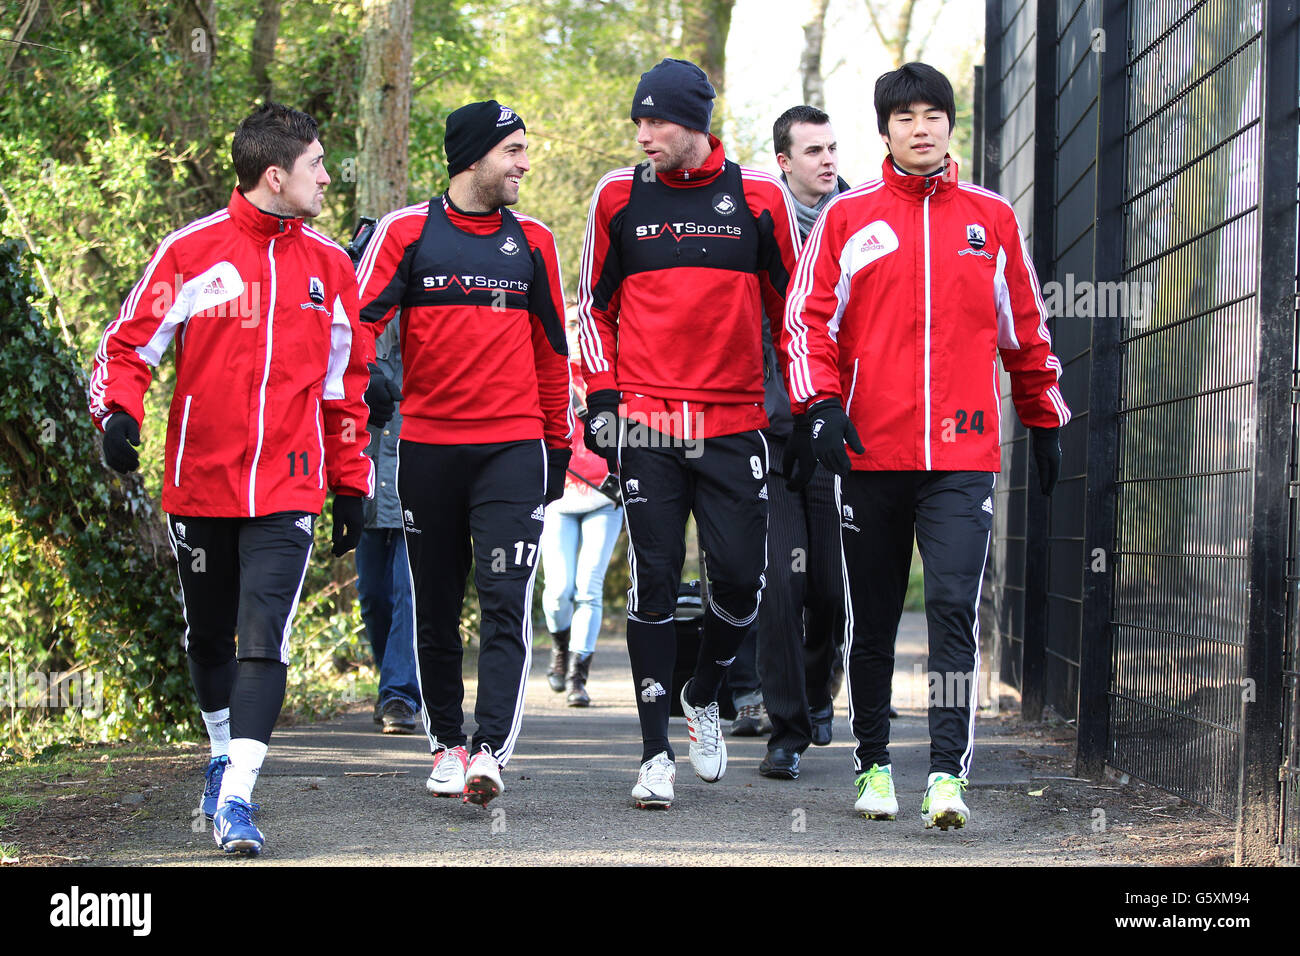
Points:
[(85, 580), (117, 117)]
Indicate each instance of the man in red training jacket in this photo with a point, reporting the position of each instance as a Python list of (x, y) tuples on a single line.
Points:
[(485, 428), (909, 288), (682, 254)]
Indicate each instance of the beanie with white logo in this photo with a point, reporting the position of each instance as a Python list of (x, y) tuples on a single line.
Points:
[(474, 129), (677, 91)]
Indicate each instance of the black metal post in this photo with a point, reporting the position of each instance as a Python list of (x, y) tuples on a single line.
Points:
[(1261, 749), (977, 126), (1103, 399), (1038, 512), (991, 136)]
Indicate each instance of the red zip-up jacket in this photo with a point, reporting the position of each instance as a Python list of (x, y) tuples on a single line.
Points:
[(483, 352), (672, 291), (907, 291), (270, 365)]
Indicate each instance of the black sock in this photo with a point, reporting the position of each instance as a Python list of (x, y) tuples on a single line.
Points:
[(717, 650), (653, 650), (256, 698)]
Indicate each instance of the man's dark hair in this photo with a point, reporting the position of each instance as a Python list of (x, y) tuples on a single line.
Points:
[(272, 135), (913, 83), (795, 114)]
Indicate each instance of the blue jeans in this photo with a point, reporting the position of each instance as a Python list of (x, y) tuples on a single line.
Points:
[(384, 586), (575, 553)]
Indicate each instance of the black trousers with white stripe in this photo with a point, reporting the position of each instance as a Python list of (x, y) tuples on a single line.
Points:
[(240, 575), (951, 514), (482, 503), (723, 482)]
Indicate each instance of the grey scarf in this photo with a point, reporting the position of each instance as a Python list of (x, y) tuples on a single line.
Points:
[(807, 215)]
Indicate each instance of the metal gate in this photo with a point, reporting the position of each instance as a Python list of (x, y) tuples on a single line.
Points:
[(1162, 191)]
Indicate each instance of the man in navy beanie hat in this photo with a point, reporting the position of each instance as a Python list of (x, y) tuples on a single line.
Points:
[(485, 430), (682, 254)]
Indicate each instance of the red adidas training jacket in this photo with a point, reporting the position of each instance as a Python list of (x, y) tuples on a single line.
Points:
[(270, 365), (907, 291)]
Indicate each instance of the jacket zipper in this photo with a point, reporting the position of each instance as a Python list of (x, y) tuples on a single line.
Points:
[(180, 451), (853, 387), (261, 400), (925, 207)]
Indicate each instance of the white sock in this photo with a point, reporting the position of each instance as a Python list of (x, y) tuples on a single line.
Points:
[(246, 756), (218, 724)]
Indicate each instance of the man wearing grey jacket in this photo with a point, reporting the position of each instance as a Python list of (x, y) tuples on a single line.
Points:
[(383, 575)]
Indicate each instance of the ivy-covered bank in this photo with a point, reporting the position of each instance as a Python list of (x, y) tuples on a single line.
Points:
[(90, 619)]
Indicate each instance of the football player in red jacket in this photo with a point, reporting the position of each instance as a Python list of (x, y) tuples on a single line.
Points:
[(908, 290), (681, 256), (485, 429), (270, 373)]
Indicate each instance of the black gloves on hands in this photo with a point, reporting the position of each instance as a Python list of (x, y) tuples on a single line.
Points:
[(557, 464), (799, 460), (831, 428), (349, 522), (1047, 456), (382, 396), (121, 439), (600, 433)]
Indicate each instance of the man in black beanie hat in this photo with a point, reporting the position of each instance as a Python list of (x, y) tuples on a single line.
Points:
[(682, 254), (485, 431)]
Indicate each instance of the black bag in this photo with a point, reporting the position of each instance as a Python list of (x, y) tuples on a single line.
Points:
[(689, 625)]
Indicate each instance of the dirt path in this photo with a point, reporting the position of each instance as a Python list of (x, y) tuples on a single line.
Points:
[(567, 799)]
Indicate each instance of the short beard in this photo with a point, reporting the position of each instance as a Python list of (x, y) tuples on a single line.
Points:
[(489, 194)]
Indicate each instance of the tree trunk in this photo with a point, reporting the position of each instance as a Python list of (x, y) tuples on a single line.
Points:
[(902, 33), (265, 33), (705, 25), (895, 43), (383, 130), (193, 35), (31, 21), (810, 64)]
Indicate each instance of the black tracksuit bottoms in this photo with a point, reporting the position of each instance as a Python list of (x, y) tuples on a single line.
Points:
[(485, 503), (241, 575), (804, 572), (723, 482), (951, 514)]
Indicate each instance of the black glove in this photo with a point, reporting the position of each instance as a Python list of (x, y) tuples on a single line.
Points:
[(1047, 456), (600, 433), (831, 428), (799, 460), (557, 464), (121, 439), (382, 397), (349, 521)]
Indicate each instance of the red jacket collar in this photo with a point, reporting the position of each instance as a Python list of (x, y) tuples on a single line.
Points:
[(710, 171), (262, 226), (921, 187)]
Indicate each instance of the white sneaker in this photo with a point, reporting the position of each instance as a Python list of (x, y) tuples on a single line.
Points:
[(708, 750), (654, 785), (876, 797), (943, 806), (448, 776), (482, 779)]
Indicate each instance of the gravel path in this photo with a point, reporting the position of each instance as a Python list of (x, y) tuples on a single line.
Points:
[(566, 798)]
